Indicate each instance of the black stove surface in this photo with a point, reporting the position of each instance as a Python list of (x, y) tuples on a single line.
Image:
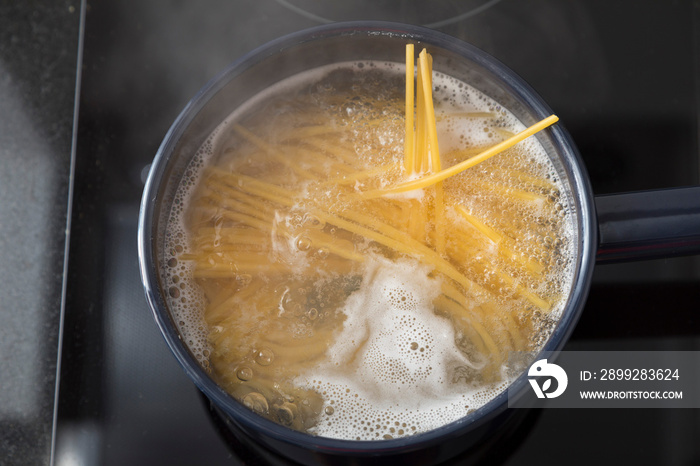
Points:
[(624, 77)]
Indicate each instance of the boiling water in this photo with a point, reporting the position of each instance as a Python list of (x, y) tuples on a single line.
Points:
[(359, 318)]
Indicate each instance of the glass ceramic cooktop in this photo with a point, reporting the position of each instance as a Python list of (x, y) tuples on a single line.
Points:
[(623, 78)]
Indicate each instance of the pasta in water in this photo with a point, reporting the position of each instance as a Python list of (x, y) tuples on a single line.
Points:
[(354, 260)]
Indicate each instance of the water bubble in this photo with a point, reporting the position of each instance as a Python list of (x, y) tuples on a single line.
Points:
[(256, 402), (264, 356), (174, 292), (312, 313), (304, 243), (312, 221), (244, 373), (286, 413)]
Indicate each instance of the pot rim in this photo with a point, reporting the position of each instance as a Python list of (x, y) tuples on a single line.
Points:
[(247, 418)]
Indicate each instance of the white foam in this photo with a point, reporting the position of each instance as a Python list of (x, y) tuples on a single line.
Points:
[(395, 361)]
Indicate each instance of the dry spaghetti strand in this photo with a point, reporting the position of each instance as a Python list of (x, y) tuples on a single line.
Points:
[(442, 175)]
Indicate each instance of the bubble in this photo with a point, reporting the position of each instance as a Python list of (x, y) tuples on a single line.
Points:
[(264, 356), (244, 373), (304, 243), (256, 402), (312, 221), (286, 413), (329, 410)]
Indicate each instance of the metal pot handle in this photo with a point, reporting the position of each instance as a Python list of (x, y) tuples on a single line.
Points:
[(648, 224)]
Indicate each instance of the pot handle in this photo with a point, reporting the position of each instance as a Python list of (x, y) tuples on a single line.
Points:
[(648, 224)]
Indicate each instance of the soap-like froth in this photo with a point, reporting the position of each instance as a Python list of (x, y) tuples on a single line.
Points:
[(395, 362)]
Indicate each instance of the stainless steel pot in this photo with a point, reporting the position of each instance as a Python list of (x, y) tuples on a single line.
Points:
[(635, 225)]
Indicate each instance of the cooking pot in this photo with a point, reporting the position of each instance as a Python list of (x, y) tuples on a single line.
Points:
[(610, 228)]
